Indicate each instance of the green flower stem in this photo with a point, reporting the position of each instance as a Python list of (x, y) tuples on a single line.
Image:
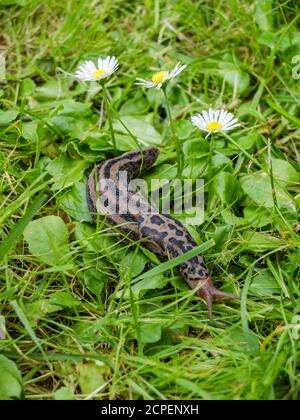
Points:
[(244, 151), (108, 111), (175, 138), (209, 175), (134, 138)]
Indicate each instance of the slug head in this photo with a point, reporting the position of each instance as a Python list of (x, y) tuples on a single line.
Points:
[(208, 292)]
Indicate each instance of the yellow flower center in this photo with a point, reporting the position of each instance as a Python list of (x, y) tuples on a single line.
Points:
[(214, 125), (98, 73), (159, 77)]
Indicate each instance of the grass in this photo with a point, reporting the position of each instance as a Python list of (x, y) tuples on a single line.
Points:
[(78, 323)]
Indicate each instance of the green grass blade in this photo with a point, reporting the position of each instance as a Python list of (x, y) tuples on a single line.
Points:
[(18, 229), (283, 112), (176, 261), (22, 317)]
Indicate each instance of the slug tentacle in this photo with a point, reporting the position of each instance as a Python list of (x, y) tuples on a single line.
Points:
[(208, 292)]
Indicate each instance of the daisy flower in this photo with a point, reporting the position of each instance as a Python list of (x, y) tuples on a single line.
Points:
[(159, 78), (215, 121), (88, 71)]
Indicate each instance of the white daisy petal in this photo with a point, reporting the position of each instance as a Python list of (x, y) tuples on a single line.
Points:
[(159, 78), (230, 128), (106, 63), (233, 121), (100, 64), (144, 83), (222, 115), (88, 71), (90, 66), (177, 70), (228, 118), (198, 122), (206, 116), (211, 114), (214, 121), (217, 113), (199, 116), (114, 64)]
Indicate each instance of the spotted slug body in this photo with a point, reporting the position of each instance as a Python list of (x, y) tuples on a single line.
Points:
[(158, 232)]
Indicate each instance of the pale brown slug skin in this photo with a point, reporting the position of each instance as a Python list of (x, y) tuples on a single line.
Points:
[(158, 232)]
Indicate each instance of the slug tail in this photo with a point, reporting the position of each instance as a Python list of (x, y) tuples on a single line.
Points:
[(208, 292)]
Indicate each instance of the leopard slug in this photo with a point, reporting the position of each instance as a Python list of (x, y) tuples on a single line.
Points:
[(158, 232)]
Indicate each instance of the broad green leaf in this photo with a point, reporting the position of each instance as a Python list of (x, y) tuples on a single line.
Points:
[(226, 187), (95, 280), (219, 160), (47, 240), (260, 241), (150, 333), (64, 393), (284, 172), (231, 73), (27, 87), (164, 171), (63, 299), (132, 264), (97, 141), (66, 171), (29, 130), (221, 235), (184, 129), (142, 129), (134, 106), (258, 187), (36, 310), (7, 117), (71, 126), (90, 375), (196, 148), (270, 39), (257, 216), (155, 282), (124, 143), (10, 380), (264, 14), (75, 109), (246, 141), (264, 284), (231, 219), (52, 89), (195, 168), (74, 203)]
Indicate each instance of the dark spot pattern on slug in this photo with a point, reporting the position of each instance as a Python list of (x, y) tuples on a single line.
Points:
[(178, 232), (157, 220), (172, 251), (147, 231), (176, 242)]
